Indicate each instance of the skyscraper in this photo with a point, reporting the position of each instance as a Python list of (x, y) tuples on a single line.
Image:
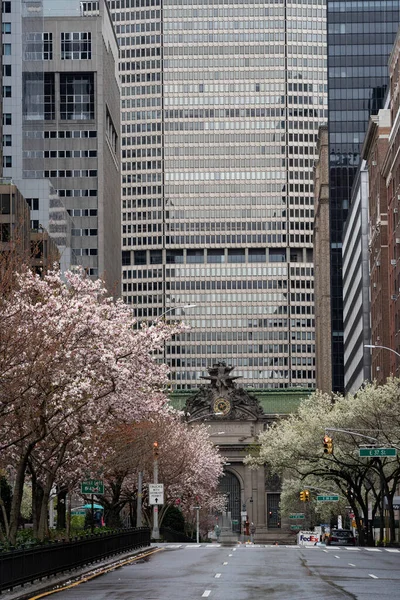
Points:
[(360, 38), (221, 103), (61, 126)]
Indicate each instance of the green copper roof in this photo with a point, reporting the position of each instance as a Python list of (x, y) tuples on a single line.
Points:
[(273, 401)]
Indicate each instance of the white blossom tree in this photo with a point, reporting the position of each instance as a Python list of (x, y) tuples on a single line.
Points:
[(71, 362)]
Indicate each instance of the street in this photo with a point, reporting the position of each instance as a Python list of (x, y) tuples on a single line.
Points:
[(191, 572)]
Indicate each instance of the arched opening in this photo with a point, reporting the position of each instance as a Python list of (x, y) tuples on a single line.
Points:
[(229, 485)]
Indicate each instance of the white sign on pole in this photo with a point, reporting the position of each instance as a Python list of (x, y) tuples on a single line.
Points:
[(156, 493)]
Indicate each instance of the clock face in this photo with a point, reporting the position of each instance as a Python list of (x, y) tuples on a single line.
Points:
[(221, 405)]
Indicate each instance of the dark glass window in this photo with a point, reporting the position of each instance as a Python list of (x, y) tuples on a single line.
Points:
[(256, 255), (236, 255), (38, 96), (76, 96), (126, 257), (195, 256), (174, 256), (155, 257), (215, 256), (139, 257)]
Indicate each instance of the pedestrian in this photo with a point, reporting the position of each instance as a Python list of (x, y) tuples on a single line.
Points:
[(217, 531), (252, 532)]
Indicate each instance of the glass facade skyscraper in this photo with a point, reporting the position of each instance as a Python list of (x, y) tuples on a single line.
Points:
[(360, 38), (221, 102)]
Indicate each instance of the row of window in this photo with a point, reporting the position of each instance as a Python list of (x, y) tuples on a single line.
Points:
[(61, 134), (59, 153), (229, 239), (45, 174)]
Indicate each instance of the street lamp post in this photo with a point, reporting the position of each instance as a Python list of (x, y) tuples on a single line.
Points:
[(382, 347), (156, 532)]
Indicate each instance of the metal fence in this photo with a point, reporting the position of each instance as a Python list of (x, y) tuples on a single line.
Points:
[(23, 566)]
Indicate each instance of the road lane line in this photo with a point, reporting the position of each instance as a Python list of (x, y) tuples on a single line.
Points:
[(325, 551), (234, 550), (217, 575), (373, 576), (336, 556), (373, 550), (225, 563), (193, 546), (351, 565), (391, 550), (230, 554), (206, 594)]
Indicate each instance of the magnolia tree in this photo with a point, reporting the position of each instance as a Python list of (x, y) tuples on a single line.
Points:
[(189, 465), (294, 448), (71, 364)]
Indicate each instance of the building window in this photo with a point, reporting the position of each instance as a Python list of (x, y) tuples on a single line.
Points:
[(7, 140), (126, 257), (33, 203), (76, 96), (7, 119), (7, 161), (38, 46), (6, 49), (38, 96), (76, 46), (5, 7), (6, 91), (6, 27), (6, 70), (5, 204)]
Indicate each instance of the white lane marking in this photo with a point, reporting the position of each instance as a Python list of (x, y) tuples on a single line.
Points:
[(352, 549), (206, 594), (217, 575), (373, 576), (175, 546), (293, 546), (230, 554), (225, 563), (325, 551), (213, 546), (373, 550), (336, 556), (351, 565), (193, 546), (234, 550), (391, 550)]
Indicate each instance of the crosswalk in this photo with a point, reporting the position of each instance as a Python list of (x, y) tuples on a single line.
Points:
[(291, 547)]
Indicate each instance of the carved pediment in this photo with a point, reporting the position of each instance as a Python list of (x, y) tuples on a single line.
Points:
[(221, 398)]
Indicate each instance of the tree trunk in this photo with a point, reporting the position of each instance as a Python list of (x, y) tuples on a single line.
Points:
[(17, 496), (37, 499), (61, 508), (43, 529)]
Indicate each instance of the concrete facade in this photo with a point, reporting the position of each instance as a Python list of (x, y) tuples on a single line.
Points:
[(322, 277), (356, 286), (65, 122), (374, 153)]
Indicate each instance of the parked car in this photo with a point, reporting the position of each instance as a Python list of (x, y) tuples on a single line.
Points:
[(341, 537)]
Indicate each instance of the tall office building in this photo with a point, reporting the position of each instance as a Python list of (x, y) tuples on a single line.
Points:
[(61, 126), (360, 39), (221, 103)]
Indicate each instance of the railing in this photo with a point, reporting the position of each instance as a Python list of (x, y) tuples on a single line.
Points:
[(170, 535), (23, 566)]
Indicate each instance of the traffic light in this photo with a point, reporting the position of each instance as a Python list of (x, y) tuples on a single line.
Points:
[(303, 496), (156, 449), (328, 445), (307, 494)]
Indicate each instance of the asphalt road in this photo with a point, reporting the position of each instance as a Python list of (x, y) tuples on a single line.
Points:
[(191, 572)]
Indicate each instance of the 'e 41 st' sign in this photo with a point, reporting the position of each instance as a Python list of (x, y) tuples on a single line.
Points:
[(92, 486), (377, 452)]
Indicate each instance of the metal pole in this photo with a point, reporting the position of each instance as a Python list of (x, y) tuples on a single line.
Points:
[(92, 511), (139, 500), (197, 524), (156, 532)]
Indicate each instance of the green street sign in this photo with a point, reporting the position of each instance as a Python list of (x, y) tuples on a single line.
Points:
[(297, 516), (92, 486), (333, 498), (235, 521), (377, 452), (296, 527)]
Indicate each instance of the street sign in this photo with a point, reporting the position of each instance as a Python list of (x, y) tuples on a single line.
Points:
[(156, 493), (296, 527), (235, 521), (332, 498), (297, 516), (92, 486), (377, 452)]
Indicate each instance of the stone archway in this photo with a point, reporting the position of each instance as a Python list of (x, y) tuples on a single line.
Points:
[(229, 485)]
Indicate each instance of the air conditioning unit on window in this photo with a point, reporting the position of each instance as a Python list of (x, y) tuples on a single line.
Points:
[(378, 368), (395, 210), (393, 297), (378, 263), (374, 284), (397, 240), (393, 262)]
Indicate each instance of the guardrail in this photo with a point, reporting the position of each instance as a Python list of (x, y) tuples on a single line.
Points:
[(24, 566)]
